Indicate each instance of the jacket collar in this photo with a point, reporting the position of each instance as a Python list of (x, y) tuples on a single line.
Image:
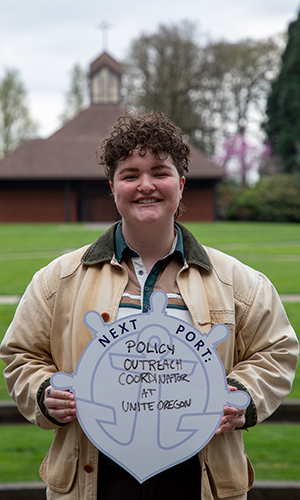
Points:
[(121, 244), (193, 251), (103, 249)]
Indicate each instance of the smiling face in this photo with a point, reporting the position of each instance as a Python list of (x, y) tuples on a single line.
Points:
[(147, 190)]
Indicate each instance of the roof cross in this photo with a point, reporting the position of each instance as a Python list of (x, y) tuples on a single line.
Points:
[(104, 27)]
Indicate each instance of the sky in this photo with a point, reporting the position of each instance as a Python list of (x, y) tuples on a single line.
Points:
[(44, 39)]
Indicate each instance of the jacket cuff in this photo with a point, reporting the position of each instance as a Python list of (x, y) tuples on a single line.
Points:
[(251, 411), (40, 401)]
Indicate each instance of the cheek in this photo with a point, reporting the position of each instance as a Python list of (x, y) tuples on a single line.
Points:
[(174, 190), (122, 193)]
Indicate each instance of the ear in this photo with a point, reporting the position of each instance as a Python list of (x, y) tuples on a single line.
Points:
[(111, 188), (181, 185)]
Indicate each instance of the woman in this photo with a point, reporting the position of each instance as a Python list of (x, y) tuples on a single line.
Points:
[(145, 159)]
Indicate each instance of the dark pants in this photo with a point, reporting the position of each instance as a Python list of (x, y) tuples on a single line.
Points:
[(182, 482)]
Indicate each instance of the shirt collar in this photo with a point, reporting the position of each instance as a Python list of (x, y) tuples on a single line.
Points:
[(121, 245)]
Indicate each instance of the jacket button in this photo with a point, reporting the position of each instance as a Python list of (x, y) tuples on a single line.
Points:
[(88, 468), (105, 317)]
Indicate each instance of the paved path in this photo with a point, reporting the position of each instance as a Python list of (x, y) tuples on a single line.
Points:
[(290, 297), (9, 299), (14, 299)]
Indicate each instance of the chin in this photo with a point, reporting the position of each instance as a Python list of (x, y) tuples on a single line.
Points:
[(148, 215), (148, 220)]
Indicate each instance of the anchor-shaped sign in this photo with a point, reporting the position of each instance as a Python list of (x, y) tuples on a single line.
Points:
[(150, 388)]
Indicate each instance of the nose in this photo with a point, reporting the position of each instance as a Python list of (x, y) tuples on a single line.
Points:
[(146, 184)]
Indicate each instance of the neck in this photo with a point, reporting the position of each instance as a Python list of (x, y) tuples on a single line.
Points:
[(151, 245)]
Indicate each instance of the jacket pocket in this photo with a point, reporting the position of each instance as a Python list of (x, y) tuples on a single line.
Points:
[(229, 469), (59, 467)]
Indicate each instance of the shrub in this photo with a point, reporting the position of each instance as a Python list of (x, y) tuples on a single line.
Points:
[(273, 199)]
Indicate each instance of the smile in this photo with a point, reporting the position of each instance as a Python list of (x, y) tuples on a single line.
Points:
[(146, 200)]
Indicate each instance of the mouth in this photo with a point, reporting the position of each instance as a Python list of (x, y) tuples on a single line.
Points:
[(146, 201)]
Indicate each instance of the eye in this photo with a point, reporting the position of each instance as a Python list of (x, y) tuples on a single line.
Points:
[(161, 174), (129, 177)]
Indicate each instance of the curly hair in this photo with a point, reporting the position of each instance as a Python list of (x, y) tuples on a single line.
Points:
[(143, 131)]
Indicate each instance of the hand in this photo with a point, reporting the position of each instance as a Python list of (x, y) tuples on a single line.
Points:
[(232, 417), (60, 405)]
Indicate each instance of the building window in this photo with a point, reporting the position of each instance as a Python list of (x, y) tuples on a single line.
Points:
[(105, 87)]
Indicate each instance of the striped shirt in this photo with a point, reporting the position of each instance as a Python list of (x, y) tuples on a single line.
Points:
[(141, 284)]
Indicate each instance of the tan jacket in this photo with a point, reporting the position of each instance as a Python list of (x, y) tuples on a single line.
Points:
[(48, 334)]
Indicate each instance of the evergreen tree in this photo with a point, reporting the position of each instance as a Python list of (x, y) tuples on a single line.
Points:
[(283, 108)]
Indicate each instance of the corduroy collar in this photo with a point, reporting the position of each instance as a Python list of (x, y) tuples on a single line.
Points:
[(103, 249)]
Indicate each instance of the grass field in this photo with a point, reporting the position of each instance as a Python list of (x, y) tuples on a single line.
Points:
[(272, 449), (274, 249), (23, 447)]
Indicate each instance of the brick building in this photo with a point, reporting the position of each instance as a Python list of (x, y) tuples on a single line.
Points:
[(58, 180)]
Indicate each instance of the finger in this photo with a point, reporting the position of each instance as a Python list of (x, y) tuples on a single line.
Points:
[(56, 394), (228, 424), (63, 415), (62, 404), (240, 420), (236, 419), (59, 413), (231, 411), (52, 396), (58, 400)]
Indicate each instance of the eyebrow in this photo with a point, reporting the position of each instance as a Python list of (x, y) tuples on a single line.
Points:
[(136, 169)]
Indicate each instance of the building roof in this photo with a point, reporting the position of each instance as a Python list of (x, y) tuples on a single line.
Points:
[(105, 60), (70, 152)]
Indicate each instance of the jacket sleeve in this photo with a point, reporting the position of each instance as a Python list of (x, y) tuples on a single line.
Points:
[(26, 350), (266, 347)]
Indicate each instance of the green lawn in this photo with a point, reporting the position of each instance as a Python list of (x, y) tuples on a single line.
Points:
[(23, 448), (25, 248), (272, 449), (238, 233), (15, 238), (273, 249), (292, 310), (6, 315)]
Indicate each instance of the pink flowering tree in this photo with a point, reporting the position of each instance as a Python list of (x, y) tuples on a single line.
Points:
[(239, 157)]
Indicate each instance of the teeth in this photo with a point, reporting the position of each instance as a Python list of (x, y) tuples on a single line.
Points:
[(150, 200)]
